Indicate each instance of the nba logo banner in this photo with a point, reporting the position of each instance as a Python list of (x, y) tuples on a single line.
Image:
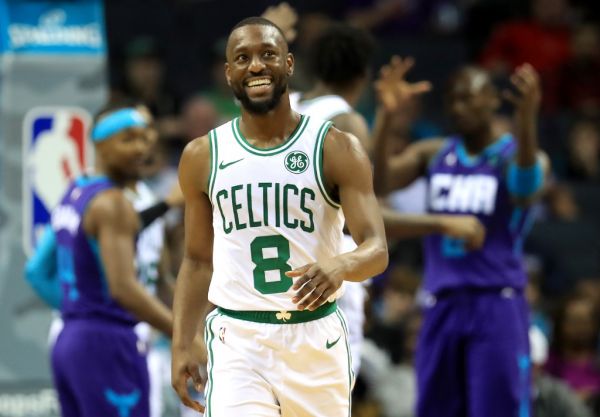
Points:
[(55, 151)]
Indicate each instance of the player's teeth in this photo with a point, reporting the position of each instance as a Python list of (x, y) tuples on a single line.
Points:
[(254, 83)]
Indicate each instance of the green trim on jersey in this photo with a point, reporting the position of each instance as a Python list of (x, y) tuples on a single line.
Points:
[(281, 317), (318, 165), (237, 133), (209, 337), (214, 159), (351, 375)]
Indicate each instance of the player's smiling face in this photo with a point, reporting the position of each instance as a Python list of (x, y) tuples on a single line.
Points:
[(258, 67)]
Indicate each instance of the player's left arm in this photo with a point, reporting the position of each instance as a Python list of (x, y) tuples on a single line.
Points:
[(527, 171), (347, 168), (41, 270)]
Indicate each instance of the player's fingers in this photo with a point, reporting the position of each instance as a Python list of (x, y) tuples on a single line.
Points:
[(321, 299), (194, 372), (404, 66), (307, 288), (311, 297), (519, 82), (298, 271), (180, 387), (421, 87), (510, 96)]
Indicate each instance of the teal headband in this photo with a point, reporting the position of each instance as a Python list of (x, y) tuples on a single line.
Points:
[(116, 122)]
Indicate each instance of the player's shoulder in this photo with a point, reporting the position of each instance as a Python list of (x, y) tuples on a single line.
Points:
[(112, 202), (337, 140), (111, 208), (197, 148)]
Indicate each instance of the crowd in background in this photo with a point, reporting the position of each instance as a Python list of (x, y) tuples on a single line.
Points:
[(172, 61)]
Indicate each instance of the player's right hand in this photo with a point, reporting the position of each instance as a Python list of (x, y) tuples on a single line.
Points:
[(467, 228), (185, 365), (392, 89)]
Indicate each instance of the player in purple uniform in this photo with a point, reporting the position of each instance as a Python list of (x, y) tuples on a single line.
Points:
[(98, 365), (472, 358)]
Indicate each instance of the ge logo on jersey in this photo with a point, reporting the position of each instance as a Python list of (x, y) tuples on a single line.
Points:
[(296, 162)]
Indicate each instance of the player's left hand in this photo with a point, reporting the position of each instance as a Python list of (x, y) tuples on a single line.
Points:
[(316, 283), (526, 81)]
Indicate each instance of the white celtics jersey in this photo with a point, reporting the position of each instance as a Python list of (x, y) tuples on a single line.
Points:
[(150, 240), (324, 107), (271, 214)]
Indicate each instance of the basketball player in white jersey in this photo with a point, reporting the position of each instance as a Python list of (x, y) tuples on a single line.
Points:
[(264, 198), (340, 60)]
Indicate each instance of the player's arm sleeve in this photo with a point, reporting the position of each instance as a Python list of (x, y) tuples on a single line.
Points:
[(524, 182), (41, 270)]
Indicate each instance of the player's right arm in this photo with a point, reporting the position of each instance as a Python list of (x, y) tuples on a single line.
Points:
[(115, 223), (392, 172), (393, 91), (406, 226), (191, 289)]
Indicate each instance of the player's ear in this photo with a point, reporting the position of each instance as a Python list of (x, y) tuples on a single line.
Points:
[(289, 60), (228, 74)]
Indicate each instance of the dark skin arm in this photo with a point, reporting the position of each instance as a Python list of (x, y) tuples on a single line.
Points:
[(318, 281), (406, 226), (113, 221), (393, 91), (191, 291), (527, 103)]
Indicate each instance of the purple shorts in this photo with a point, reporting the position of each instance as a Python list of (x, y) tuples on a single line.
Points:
[(99, 371)]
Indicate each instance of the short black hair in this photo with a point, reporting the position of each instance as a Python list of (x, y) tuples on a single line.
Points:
[(341, 54), (257, 20)]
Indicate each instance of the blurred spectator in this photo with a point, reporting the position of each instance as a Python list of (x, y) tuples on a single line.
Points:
[(573, 356), (144, 81), (392, 300), (542, 40), (584, 151), (579, 86), (551, 397), (198, 117), (566, 242), (393, 384)]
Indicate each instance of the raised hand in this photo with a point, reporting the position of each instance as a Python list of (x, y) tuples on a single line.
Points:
[(467, 228), (185, 365), (392, 88), (316, 283), (285, 17), (526, 81)]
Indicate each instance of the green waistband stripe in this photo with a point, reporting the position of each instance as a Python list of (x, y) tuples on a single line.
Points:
[(281, 317)]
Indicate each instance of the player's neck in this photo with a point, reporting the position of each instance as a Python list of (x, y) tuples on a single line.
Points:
[(351, 94), (279, 123), (119, 180), (476, 142)]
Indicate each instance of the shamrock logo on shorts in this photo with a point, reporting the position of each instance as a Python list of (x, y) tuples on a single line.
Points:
[(283, 315)]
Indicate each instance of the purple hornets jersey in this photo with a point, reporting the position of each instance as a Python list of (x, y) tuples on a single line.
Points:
[(85, 290), (460, 184)]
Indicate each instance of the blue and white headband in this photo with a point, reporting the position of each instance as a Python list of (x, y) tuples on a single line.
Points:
[(116, 122)]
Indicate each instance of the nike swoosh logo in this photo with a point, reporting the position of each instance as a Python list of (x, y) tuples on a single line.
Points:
[(332, 344), (223, 165)]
